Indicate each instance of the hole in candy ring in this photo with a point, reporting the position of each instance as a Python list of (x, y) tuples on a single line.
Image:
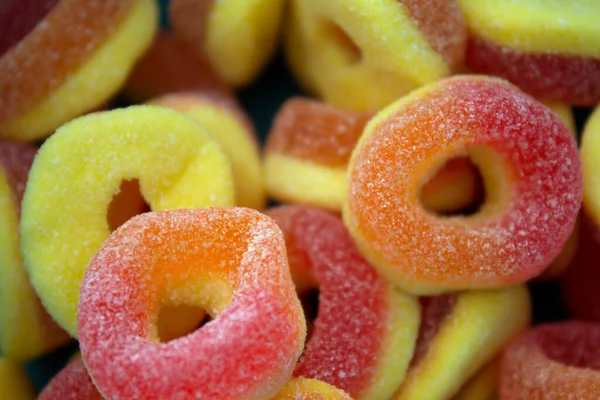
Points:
[(310, 304), (126, 204), (343, 40), (466, 185), (176, 321)]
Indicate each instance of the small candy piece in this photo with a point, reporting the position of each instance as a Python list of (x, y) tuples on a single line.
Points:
[(26, 329), (581, 279), (365, 330), (364, 54), (483, 386), (229, 261), (72, 383), (565, 257), (74, 58), (590, 158), (459, 334), (549, 49), (76, 173), (553, 361), (238, 36), (167, 67), (231, 128), (308, 151), (14, 383), (531, 171), (310, 389)]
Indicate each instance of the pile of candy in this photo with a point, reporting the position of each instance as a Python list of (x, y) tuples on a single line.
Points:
[(433, 173)]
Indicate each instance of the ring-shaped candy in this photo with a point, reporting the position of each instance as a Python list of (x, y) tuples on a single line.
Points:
[(81, 167), (365, 330), (552, 362), (347, 50), (72, 382), (459, 334), (73, 59), (14, 383), (531, 170), (237, 36), (590, 158), (310, 389), (26, 329), (231, 262), (483, 386)]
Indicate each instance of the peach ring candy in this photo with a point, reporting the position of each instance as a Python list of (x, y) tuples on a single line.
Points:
[(168, 67), (459, 334), (550, 50), (309, 148), (364, 54), (66, 58), (95, 173), (72, 382), (14, 383), (590, 158), (228, 261), (581, 279), (553, 361), (238, 36), (310, 389), (365, 330), (26, 329), (531, 172), (483, 386), (228, 125)]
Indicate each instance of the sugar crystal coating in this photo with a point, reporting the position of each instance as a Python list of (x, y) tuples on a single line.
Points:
[(310, 389), (553, 361), (365, 329), (531, 171), (229, 261), (83, 165), (71, 383)]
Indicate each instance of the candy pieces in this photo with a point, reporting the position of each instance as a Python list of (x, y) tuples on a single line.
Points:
[(167, 67), (72, 382), (26, 330), (310, 389), (71, 62), (14, 383), (364, 54), (483, 386), (531, 171), (229, 261), (238, 36), (554, 361), (308, 151), (82, 166), (590, 158), (551, 51), (231, 128), (459, 334), (365, 330)]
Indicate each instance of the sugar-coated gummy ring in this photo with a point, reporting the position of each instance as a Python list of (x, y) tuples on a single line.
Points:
[(309, 148), (365, 330), (553, 361), (483, 386), (521, 41), (14, 383), (458, 335), (231, 262), (26, 329), (231, 128), (590, 158), (310, 389), (72, 382), (168, 67), (83, 165), (346, 51), (238, 36), (73, 59), (532, 177)]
